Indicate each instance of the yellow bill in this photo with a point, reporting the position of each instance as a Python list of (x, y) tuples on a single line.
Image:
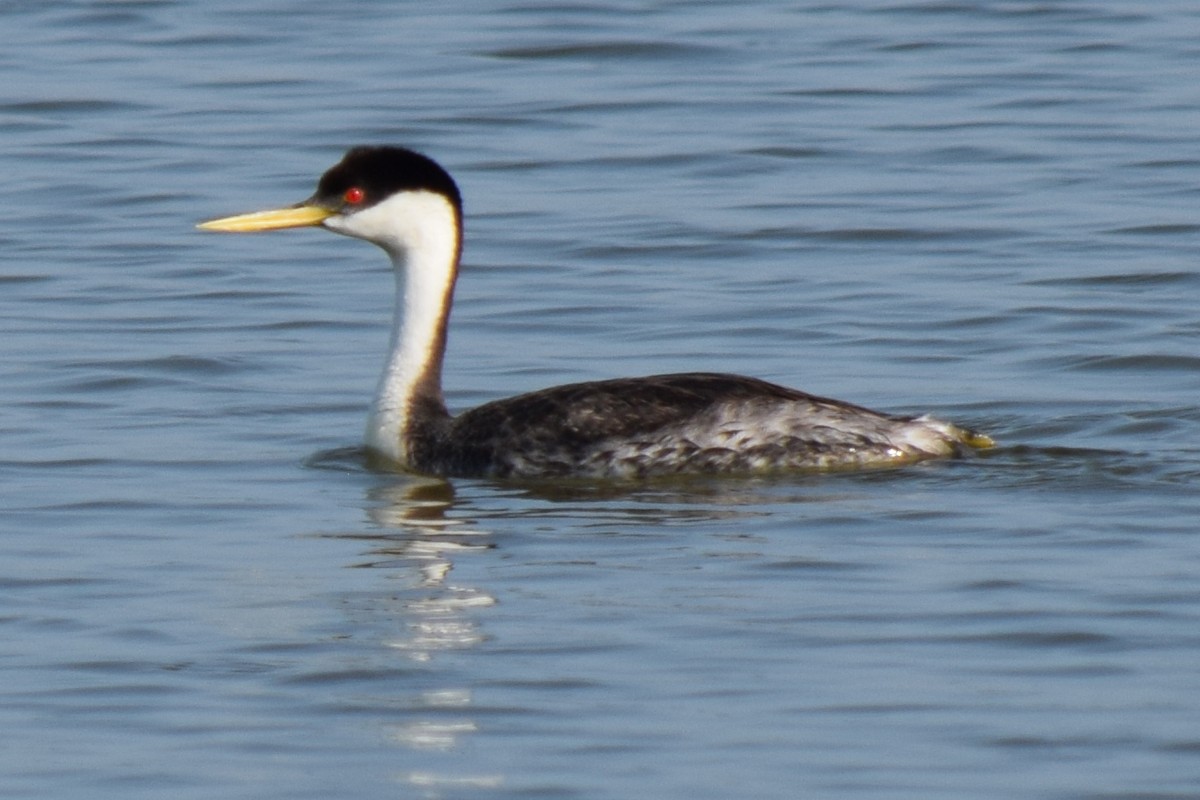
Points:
[(275, 219)]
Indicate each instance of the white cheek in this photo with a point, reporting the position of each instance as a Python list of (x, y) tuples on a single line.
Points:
[(404, 222)]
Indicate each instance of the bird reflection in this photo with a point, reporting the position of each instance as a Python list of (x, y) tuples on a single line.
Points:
[(418, 542), (421, 612)]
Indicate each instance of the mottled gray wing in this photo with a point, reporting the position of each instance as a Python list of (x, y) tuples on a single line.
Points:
[(565, 423)]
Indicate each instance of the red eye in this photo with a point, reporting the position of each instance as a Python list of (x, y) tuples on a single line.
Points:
[(354, 195)]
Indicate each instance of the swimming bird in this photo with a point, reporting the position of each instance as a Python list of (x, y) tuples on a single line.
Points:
[(407, 204)]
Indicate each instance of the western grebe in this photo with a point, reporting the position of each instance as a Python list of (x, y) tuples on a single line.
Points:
[(624, 428)]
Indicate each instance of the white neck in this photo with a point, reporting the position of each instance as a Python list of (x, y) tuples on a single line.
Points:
[(420, 231)]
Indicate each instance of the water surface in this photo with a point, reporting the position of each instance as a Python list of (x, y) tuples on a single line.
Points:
[(981, 210)]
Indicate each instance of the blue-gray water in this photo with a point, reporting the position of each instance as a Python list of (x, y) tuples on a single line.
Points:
[(985, 210)]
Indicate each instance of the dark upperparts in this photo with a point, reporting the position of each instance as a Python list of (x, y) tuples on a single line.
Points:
[(624, 407)]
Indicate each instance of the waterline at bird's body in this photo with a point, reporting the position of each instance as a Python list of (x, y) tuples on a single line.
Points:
[(626, 428)]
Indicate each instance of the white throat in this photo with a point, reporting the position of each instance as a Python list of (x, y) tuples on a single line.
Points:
[(420, 232)]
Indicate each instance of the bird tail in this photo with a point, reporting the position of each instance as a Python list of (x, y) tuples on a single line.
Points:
[(939, 437)]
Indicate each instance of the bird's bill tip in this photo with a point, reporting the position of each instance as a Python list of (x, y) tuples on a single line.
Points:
[(301, 216)]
